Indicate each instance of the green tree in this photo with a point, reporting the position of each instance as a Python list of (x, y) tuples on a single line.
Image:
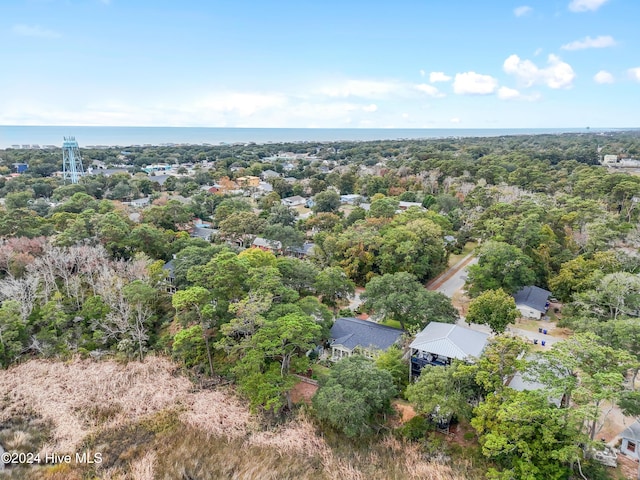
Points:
[(327, 201), (198, 300), (500, 265), (17, 200), (225, 275), (12, 332), (615, 295), (494, 308), (283, 215), (399, 296), (528, 437), (385, 207), (297, 274), (445, 390), (141, 298), (193, 256), (332, 285), (585, 373), (355, 394), (391, 361), (287, 235), (172, 216), (501, 359), (276, 348), (189, 346), (242, 227), (151, 240)]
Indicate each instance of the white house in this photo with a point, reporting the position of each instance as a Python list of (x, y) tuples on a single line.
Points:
[(631, 441), (294, 201), (532, 301)]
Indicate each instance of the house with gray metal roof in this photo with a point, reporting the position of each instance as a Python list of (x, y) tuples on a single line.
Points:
[(351, 336), (441, 343), (631, 441), (532, 301)]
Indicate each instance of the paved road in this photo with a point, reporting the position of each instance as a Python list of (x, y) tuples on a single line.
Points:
[(455, 276), (355, 301)]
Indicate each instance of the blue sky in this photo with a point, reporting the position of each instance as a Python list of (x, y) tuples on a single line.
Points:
[(305, 63)]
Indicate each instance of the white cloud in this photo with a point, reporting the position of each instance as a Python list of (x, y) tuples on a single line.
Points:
[(438, 77), (370, 108), (454, 120), (537, 52), (360, 88), (506, 93), (429, 90), (603, 77), (244, 104), (557, 74), (586, 5), (522, 11), (635, 73), (422, 73), (601, 41), (34, 31), (472, 83)]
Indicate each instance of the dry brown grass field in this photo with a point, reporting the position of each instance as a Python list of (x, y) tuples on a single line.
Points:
[(150, 422)]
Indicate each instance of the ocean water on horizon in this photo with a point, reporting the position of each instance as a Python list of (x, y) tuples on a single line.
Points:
[(128, 136)]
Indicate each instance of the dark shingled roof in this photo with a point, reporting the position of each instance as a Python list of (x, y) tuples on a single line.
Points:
[(352, 332), (534, 297)]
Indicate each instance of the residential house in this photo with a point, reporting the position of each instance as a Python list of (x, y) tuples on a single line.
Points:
[(532, 301), (294, 201), (248, 181), (519, 383), (139, 202), (630, 443), (405, 205), (262, 189), (351, 199), (303, 251), (267, 245), (267, 174), (441, 343), (351, 336), (215, 188), (169, 268)]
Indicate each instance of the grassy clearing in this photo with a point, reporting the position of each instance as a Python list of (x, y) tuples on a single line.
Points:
[(149, 422), (391, 323), (456, 257)]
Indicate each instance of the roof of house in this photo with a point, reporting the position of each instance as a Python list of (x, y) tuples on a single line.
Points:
[(263, 242), (203, 232), (534, 297), (632, 432), (352, 332), (451, 341), (294, 199), (520, 384), (170, 268), (305, 249)]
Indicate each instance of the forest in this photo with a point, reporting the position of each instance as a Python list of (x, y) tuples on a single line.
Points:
[(206, 280)]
